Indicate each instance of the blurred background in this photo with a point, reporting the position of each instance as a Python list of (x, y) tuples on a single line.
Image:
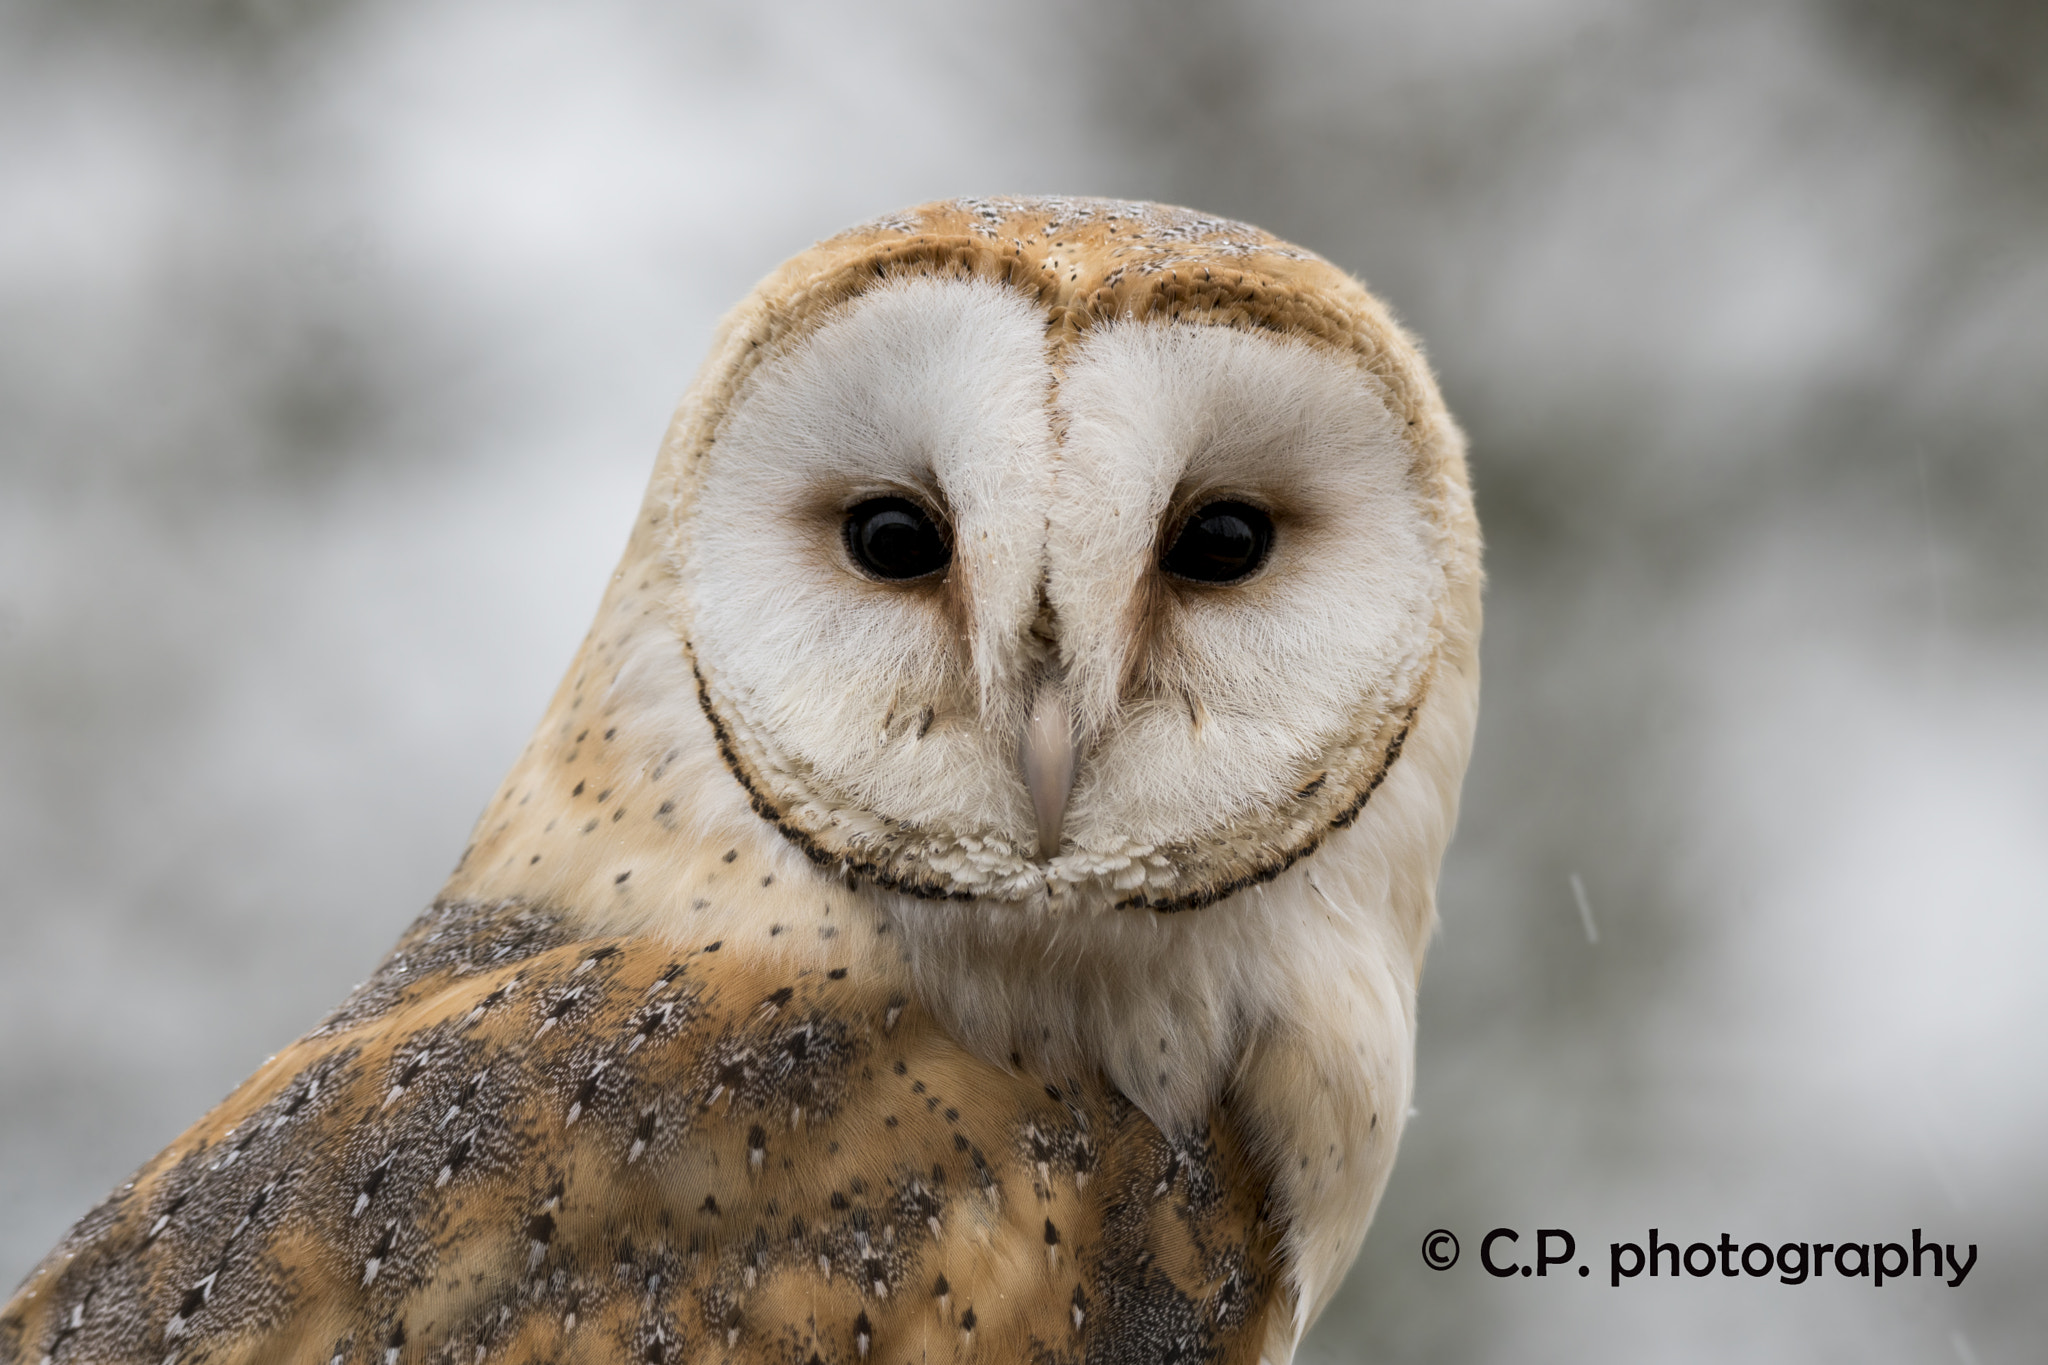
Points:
[(336, 339)]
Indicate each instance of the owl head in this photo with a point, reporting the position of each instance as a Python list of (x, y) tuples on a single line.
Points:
[(1081, 553)]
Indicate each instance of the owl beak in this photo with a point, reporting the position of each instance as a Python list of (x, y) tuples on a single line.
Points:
[(1047, 758)]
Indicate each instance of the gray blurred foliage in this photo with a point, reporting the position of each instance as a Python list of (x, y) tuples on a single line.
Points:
[(336, 338)]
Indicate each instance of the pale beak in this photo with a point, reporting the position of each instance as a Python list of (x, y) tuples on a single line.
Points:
[(1047, 758)]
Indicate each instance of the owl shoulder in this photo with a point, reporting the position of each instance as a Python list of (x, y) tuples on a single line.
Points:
[(515, 1142)]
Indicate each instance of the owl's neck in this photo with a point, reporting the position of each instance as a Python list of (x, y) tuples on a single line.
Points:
[(621, 816)]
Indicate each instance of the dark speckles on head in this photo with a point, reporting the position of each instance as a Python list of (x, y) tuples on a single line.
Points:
[(837, 974), (591, 825), (767, 881), (620, 880), (730, 854), (576, 790)]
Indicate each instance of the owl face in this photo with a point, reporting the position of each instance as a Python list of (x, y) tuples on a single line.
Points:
[(1073, 552), (1129, 622)]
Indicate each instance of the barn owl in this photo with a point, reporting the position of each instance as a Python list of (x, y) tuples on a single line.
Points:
[(967, 898)]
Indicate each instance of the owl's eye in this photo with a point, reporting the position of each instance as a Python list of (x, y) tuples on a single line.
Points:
[(1221, 543), (895, 539)]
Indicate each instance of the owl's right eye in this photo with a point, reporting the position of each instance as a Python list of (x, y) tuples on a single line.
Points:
[(896, 540)]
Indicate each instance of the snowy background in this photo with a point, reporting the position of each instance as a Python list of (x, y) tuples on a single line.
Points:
[(336, 339)]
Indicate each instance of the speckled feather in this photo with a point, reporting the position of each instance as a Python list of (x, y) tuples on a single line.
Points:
[(517, 1144)]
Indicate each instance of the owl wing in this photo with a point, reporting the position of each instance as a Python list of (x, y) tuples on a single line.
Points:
[(517, 1144)]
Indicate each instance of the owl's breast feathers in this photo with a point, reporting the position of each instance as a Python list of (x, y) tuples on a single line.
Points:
[(514, 1143)]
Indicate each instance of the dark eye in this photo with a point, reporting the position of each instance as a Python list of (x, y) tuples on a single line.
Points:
[(1220, 543), (894, 538)]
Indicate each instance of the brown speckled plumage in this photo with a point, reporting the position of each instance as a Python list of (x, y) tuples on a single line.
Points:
[(516, 1144)]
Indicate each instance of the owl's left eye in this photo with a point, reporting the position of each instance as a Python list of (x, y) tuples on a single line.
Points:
[(1221, 543), (896, 540)]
